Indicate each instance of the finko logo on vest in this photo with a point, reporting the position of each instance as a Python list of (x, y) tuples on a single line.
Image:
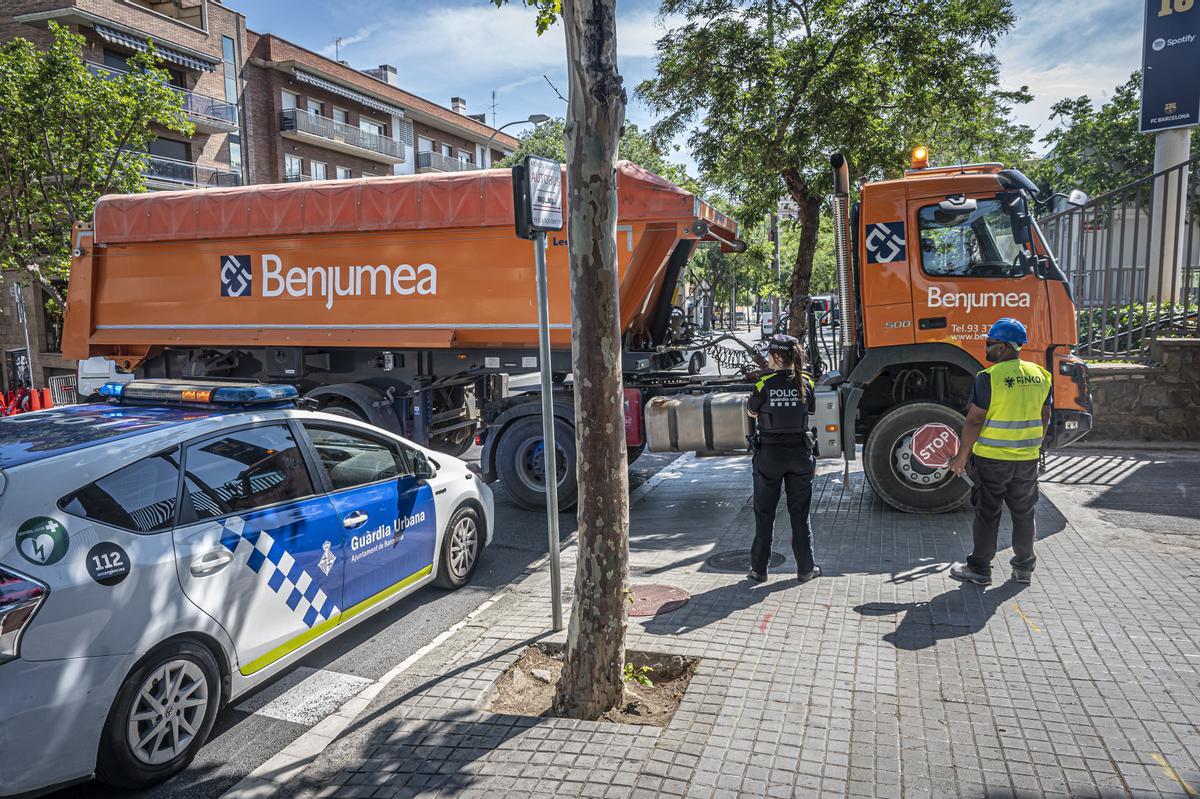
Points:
[(328, 282), (1023, 380), (937, 298)]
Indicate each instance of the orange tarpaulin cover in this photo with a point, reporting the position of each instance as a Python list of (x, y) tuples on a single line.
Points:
[(481, 198)]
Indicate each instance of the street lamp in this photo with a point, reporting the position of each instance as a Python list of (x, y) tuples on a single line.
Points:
[(534, 119)]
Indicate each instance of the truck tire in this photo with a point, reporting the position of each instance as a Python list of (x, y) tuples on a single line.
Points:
[(345, 410), (893, 473), (520, 462)]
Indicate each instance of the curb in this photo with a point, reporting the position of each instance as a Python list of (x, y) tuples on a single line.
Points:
[(278, 771)]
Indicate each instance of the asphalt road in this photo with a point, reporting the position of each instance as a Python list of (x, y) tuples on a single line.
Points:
[(257, 727)]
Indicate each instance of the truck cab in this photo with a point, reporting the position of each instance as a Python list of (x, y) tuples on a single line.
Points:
[(930, 261)]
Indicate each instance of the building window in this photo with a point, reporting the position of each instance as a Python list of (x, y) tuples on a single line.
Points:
[(235, 152), (464, 156), (315, 107), (341, 115), (343, 173), (169, 148), (424, 145), (229, 65), (293, 167), (318, 170), (290, 100), (447, 151), (371, 126)]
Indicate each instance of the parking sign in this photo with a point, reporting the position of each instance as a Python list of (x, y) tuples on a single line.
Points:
[(537, 196)]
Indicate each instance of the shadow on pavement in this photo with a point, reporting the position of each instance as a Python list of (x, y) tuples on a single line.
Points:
[(963, 610), (715, 605)]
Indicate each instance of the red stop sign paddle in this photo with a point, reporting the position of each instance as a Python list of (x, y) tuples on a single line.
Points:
[(934, 445)]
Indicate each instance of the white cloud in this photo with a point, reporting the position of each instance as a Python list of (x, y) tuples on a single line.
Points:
[(360, 35), (1089, 49)]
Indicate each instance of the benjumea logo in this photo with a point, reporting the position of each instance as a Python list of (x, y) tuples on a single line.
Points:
[(328, 282)]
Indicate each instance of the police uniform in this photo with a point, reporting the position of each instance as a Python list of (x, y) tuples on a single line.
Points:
[(1004, 460), (784, 458)]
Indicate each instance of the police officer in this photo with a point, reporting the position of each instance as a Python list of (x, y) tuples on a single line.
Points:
[(1001, 447), (782, 403)]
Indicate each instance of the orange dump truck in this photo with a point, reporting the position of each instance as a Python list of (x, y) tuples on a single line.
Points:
[(408, 301), (403, 301)]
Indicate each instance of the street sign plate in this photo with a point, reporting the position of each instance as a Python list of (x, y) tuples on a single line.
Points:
[(544, 179), (934, 445)]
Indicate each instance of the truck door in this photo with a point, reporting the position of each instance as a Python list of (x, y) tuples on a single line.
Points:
[(387, 516), (969, 270), (257, 548)]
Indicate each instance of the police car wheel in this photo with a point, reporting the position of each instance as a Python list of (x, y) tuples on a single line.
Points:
[(521, 462), (161, 717), (895, 477), (461, 545)]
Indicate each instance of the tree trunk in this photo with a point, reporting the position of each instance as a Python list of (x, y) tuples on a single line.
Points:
[(810, 221), (591, 681)]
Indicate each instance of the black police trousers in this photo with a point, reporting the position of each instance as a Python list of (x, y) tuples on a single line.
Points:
[(999, 483), (777, 466)]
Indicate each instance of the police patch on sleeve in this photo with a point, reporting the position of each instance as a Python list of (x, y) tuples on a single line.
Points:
[(885, 243)]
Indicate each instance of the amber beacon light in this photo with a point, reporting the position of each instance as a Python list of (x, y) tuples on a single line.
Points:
[(920, 157)]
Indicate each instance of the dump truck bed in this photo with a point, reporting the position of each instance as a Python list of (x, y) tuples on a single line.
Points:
[(424, 261)]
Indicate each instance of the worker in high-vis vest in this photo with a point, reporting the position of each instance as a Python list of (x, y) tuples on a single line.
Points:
[(1001, 448)]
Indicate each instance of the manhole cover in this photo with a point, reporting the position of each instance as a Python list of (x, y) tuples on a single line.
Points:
[(651, 600), (738, 560)]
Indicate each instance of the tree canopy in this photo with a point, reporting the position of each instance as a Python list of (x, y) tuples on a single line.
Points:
[(67, 137), (1097, 148), (766, 90), (548, 140)]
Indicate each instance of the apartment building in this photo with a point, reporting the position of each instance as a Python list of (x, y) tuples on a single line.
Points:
[(314, 118), (202, 44), (265, 111)]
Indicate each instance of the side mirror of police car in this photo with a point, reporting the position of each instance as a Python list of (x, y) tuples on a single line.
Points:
[(422, 468)]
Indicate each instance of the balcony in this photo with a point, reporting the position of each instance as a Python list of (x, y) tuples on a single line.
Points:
[(436, 162), (300, 125), (208, 114), (296, 177), (169, 173)]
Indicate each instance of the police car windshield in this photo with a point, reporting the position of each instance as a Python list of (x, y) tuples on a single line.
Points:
[(31, 437)]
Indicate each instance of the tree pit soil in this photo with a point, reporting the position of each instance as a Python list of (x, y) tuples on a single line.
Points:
[(518, 692)]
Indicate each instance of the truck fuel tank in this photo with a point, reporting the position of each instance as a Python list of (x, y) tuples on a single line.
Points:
[(703, 423)]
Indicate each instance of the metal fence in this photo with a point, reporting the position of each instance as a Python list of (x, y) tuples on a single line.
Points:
[(1132, 257), (297, 119)]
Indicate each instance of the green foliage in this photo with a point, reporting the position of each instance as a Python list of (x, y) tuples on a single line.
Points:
[(548, 12), (766, 90), (1125, 329), (639, 674), (549, 141), (66, 138), (1097, 149)]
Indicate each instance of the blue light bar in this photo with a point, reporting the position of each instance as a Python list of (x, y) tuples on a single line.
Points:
[(180, 392)]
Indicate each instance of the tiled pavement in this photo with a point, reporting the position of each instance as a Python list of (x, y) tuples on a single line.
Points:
[(884, 678)]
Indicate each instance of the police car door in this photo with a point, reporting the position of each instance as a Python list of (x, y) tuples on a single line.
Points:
[(387, 516), (258, 548)]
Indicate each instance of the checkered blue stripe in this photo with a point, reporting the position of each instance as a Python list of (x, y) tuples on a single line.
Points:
[(267, 558)]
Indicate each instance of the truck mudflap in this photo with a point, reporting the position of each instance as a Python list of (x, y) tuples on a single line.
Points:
[(1067, 427)]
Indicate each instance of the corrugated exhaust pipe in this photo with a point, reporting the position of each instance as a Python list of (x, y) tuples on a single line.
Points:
[(845, 267)]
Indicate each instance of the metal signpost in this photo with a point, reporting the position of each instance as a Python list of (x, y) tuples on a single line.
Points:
[(19, 297), (537, 208)]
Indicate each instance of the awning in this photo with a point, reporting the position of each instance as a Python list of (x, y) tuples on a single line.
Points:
[(349, 94), (139, 43)]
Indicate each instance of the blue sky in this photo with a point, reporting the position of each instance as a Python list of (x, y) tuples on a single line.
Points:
[(470, 49)]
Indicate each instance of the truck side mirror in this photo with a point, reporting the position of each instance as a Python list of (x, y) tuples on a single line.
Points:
[(1078, 197)]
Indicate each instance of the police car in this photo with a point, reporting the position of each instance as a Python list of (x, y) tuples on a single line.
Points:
[(163, 554)]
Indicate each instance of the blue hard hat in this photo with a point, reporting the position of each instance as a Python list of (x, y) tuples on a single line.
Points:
[(1008, 330)]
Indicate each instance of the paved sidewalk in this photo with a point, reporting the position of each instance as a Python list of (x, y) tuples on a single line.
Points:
[(884, 678)]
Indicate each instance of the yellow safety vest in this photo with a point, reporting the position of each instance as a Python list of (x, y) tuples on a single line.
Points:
[(1012, 430)]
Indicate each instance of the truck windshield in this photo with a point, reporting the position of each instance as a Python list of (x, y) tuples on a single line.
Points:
[(977, 243)]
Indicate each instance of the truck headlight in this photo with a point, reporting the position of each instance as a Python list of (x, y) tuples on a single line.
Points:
[(20, 597)]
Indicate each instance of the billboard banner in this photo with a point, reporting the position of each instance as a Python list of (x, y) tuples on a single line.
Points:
[(1171, 65)]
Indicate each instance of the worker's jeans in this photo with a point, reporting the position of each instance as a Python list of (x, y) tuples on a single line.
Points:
[(999, 483), (777, 466)]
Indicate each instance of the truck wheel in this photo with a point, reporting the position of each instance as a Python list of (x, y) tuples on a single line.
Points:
[(520, 459), (452, 446), (893, 472), (345, 410)]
